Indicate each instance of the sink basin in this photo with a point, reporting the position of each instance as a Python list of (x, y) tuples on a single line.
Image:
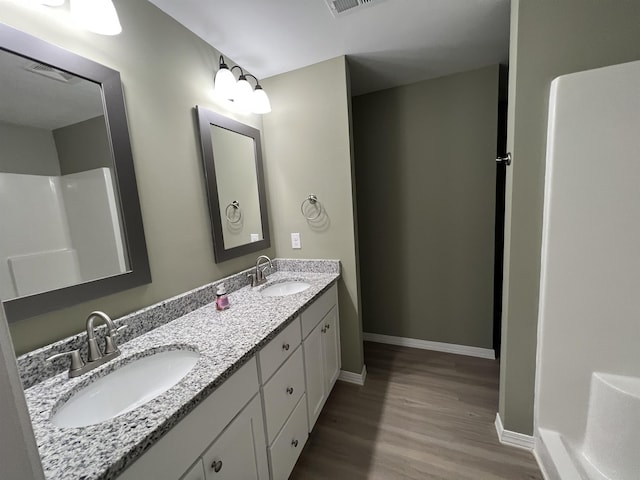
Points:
[(284, 288), (126, 388)]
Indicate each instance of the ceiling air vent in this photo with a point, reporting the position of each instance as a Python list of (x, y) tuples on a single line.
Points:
[(50, 72), (341, 7)]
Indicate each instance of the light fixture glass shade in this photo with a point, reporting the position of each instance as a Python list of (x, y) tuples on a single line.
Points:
[(261, 103), (224, 83), (98, 16), (51, 3), (243, 95)]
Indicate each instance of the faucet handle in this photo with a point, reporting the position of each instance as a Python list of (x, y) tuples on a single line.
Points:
[(76, 360), (110, 340)]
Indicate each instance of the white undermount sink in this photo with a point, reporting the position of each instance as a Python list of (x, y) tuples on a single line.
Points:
[(126, 388), (284, 288)]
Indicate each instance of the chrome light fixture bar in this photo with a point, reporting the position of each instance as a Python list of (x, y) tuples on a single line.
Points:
[(240, 92)]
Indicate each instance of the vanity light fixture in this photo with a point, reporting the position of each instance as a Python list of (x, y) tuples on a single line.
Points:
[(97, 16), (240, 92), (224, 81)]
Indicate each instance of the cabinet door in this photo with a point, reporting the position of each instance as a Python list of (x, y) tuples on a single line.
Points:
[(314, 373), (240, 451), (195, 473), (331, 348)]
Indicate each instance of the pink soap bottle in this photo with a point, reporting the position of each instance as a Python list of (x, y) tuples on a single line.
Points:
[(222, 301)]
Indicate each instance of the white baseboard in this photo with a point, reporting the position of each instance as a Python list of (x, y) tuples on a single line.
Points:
[(427, 345), (350, 377), (513, 439)]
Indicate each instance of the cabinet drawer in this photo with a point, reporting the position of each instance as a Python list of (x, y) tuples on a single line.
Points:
[(279, 349), (289, 443), (318, 309), (282, 392)]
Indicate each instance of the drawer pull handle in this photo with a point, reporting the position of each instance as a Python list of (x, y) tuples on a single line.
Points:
[(216, 465), (294, 443), (324, 330), (285, 347), (327, 326), (290, 390)]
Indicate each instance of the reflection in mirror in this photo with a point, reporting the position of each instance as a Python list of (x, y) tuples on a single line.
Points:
[(69, 207), (234, 161), (56, 182), (232, 158)]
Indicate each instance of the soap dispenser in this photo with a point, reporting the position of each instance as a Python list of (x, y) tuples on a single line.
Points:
[(222, 301)]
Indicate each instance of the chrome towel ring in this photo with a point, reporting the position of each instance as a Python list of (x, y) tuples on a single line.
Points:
[(313, 201), (233, 207)]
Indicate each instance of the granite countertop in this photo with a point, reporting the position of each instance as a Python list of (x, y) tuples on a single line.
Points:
[(225, 340)]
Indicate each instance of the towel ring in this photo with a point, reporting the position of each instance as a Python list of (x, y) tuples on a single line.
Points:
[(235, 205), (312, 200)]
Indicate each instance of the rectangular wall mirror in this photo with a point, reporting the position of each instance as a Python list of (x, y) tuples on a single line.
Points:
[(232, 157), (69, 209)]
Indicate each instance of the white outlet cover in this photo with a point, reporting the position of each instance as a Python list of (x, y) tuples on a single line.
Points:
[(255, 237), (295, 240)]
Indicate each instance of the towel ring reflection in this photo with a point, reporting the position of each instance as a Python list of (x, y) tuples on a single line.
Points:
[(233, 207), (312, 200)]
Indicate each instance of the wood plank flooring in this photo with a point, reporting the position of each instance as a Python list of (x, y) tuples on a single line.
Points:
[(421, 415)]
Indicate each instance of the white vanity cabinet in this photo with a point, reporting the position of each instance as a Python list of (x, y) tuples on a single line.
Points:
[(196, 472), (224, 433), (255, 425), (320, 327)]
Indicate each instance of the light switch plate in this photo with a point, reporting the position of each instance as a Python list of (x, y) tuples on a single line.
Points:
[(295, 240)]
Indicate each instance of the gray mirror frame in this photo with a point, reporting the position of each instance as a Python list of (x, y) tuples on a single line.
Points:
[(25, 45), (206, 118)]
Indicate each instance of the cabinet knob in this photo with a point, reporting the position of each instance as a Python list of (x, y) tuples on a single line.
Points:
[(285, 347), (327, 326), (324, 330), (294, 443), (290, 390), (216, 465)]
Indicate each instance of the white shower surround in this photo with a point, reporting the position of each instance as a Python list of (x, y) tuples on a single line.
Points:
[(590, 273), (74, 232)]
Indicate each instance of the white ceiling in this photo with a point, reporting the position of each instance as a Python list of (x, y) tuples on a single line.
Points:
[(388, 43)]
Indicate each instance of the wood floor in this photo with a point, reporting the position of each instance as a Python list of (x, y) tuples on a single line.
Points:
[(421, 415)]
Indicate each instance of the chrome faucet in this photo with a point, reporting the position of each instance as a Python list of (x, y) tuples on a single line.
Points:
[(258, 278), (96, 357), (109, 341)]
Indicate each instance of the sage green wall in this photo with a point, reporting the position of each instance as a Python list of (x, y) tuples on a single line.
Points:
[(83, 146), (166, 70), (28, 150), (426, 176), (307, 150), (548, 38)]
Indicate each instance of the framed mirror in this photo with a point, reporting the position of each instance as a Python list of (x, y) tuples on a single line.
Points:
[(69, 207), (232, 157)]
